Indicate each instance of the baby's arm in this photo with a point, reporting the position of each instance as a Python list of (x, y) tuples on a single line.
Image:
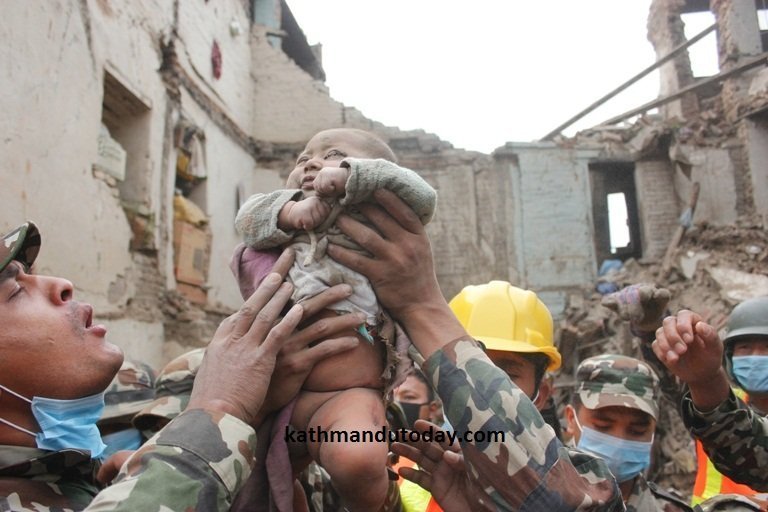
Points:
[(367, 176), (257, 220)]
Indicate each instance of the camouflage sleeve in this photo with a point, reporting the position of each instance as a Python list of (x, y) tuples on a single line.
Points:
[(672, 388), (198, 462), (526, 467), (734, 438), (368, 175), (257, 219)]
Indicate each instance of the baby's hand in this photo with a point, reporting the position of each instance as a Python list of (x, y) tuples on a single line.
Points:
[(308, 213), (331, 181)]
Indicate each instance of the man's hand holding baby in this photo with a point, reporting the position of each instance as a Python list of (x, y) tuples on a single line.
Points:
[(331, 181)]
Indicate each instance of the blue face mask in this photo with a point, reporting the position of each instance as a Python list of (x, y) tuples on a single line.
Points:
[(626, 459), (65, 423), (751, 372), (128, 439)]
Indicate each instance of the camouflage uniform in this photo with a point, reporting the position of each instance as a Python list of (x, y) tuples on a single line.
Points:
[(620, 381), (173, 388), (530, 470), (132, 389), (198, 462), (735, 425), (31, 478)]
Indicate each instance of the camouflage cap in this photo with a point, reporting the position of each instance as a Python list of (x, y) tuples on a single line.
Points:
[(172, 390), (132, 389), (22, 244), (613, 380)]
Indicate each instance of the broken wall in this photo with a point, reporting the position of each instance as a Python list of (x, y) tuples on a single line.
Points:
[(551, 224)]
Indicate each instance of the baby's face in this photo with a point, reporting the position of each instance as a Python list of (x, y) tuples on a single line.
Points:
[(326, 149)]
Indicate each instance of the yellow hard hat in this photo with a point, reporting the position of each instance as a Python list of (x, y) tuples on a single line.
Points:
[(507, 318)]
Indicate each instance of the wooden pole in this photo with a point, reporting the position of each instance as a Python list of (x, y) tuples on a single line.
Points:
[(679, 232)]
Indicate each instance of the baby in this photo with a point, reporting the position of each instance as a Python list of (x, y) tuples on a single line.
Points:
[(337, 170)]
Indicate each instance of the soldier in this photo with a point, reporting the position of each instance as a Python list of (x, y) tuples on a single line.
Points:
[(526, 468), (644, 306), (734, 435), (57, 364), (613, 415)]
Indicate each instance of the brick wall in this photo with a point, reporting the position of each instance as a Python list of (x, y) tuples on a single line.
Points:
[(658, 206)]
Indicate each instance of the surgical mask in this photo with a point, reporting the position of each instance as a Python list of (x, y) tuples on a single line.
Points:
[(751, 372), (411, 412), (128, 439), (626, 459), (65, 423)]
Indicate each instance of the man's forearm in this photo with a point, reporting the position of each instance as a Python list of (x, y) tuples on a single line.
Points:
[(523, 467), (430, 326), (706, 396)]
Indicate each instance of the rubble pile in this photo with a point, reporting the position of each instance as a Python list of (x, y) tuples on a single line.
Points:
[(714, 268)]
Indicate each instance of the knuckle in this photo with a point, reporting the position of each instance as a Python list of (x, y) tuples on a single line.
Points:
[(263, 316), (246, 311)]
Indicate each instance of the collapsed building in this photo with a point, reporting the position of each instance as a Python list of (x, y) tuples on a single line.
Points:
[(133, 131)]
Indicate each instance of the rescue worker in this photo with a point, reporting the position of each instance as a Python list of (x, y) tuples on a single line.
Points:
[(526, 468), (516, 330), (417, 400), (613, 415), (57, 364), (645, 306), (733, 434), (173, 389)]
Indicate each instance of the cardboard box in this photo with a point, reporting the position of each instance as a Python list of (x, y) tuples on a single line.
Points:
[(192, 293), (191, 253)]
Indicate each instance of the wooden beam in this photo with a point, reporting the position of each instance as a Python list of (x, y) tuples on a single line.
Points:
[(673, 53), (762, 59)]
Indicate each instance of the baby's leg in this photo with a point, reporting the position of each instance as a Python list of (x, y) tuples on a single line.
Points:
[(357, 469)]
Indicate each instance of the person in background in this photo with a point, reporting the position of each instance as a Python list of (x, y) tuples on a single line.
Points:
[(418, 401), (734, 435), (515, 328), (613, 415), (644, 306)]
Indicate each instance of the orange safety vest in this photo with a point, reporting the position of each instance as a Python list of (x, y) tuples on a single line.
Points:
[(709, 481), (414, 497)]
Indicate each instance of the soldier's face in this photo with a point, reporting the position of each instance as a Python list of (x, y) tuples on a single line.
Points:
[(752, 346), (623, 422), (50, 346)]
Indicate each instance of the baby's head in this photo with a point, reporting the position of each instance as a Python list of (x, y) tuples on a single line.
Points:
[(329, 147)]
